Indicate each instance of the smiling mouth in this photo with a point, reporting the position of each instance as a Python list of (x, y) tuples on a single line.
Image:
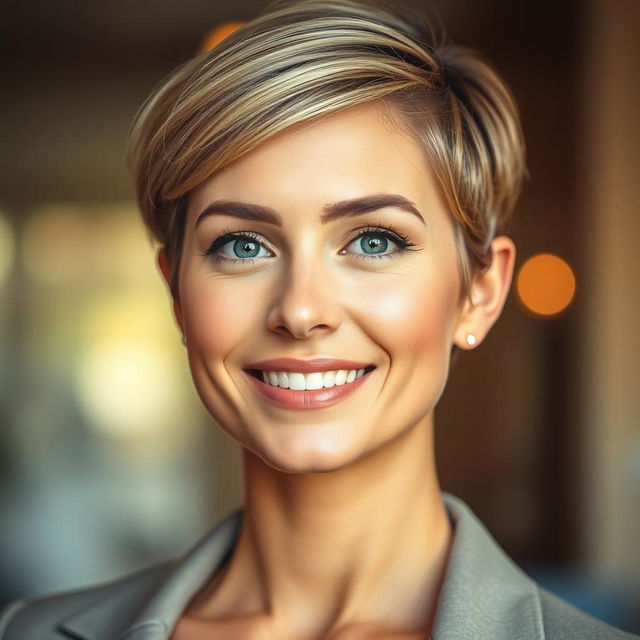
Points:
[(297, 381)]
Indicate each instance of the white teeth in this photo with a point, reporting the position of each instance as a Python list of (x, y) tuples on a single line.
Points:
[(313, 380), (341, 377), (329, 379), (310, 381), (282, 380), (296, 381)]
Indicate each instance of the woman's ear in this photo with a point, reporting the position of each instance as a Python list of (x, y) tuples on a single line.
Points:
[(487, 294), (165, 269)]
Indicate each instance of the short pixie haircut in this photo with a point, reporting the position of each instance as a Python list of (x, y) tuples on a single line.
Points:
[(300, 60)]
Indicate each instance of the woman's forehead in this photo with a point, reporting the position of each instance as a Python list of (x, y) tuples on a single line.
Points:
[(345, 155)]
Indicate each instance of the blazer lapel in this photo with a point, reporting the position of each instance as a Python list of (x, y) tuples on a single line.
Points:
[(485, 595), (149, 609)]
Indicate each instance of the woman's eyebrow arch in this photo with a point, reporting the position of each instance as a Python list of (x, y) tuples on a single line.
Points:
[(341, 209)]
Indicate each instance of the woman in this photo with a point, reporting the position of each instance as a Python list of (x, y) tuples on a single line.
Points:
[(328, 189)]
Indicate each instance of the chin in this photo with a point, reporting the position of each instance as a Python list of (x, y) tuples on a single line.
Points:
[(304, 456)]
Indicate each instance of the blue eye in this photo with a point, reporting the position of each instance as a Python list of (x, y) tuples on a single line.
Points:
[(237, 247), (374, 242), (244, 247)]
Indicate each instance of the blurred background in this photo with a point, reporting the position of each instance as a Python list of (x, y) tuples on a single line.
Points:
[(107, 460)]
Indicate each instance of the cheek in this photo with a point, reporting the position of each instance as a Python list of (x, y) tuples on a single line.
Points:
[(219, 316), (411, 315), (218, 313)]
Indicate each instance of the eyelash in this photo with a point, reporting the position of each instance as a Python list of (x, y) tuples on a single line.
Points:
[(403, 242)]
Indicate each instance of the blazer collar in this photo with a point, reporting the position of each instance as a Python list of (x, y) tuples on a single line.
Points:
[(155, 618), (484, 593)]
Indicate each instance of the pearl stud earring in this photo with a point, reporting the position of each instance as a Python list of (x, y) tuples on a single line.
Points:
[(184, 339), (471, 339)]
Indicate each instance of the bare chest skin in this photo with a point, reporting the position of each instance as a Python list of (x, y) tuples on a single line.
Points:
[(258, 628)]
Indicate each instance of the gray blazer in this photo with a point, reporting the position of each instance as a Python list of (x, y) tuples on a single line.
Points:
[(485, 596)]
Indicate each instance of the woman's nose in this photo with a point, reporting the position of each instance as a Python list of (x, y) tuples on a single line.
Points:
[(306, 301)]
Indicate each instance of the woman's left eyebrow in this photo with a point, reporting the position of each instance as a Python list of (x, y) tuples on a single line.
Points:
[(352, 207)]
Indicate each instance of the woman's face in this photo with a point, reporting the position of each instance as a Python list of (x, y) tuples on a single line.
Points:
[(328, 241)]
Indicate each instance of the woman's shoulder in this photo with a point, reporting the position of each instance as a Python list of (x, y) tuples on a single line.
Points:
[(152, 598), (563, 621), (62, 615), (485, 594)]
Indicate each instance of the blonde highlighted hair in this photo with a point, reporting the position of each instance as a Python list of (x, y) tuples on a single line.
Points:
[(304, 59)]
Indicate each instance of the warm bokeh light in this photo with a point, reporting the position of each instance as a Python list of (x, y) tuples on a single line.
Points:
[(7, 248), (69, 243), (546, 284), (57, 243), (127, 380), (217, 35), (100, 294), (134, 260), (126, 388)]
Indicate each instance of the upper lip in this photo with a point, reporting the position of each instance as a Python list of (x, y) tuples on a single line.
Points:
[(307, 366)]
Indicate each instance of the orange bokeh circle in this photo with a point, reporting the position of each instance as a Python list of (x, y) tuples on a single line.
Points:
[(217, 35), (546, 284)]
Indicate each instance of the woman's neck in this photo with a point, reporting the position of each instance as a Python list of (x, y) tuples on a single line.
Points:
[(363, 545)]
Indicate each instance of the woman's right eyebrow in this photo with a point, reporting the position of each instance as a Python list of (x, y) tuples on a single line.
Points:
[(243, 210), (352, 207)]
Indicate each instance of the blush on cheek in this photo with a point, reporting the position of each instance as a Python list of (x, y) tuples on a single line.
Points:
[(409, 314), (411, 319), (218, 316)]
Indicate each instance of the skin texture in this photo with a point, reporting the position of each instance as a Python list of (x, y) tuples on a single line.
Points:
[(345, 534)]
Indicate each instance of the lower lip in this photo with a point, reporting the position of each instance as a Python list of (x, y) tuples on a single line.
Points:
[(314, 399)]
